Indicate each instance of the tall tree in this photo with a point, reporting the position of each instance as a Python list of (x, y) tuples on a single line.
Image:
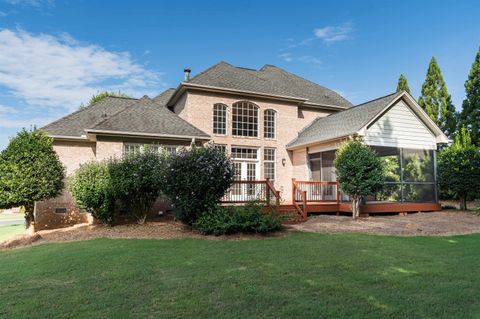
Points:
[(30, 171), (403, 84), (470, 116), (436, 101), (100, 96)]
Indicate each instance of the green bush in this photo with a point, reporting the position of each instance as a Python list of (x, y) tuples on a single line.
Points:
[(360, 171), (136, 182), (195, 180), (91, 189), (30, 171), (238, 219)]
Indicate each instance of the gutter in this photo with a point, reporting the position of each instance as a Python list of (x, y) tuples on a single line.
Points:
[(129, 134)]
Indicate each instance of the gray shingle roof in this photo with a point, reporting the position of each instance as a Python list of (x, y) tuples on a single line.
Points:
[(163, 97), (75, 123), (343, 123), (268, 80), (148, 117)]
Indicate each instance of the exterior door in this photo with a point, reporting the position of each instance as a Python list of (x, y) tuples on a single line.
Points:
[(247, 168)]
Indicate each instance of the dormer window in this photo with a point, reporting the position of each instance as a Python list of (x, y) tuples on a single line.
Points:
[(245, 119), (269, 117), (219, 119)]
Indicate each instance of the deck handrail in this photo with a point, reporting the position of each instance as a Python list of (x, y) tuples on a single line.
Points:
[(317, 191), (243, 191), (302, 211)]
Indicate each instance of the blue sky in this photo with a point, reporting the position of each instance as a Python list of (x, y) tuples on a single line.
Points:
[(55, 54)]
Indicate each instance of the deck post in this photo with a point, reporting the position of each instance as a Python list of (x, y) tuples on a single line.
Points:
[(305, 204), (293, 190), (277, 200), (267, 190)]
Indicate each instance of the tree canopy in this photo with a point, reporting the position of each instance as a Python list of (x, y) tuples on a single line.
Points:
[(30, 171), (403, 84), (459, 168), (436, 101), (101, 95), (360, 171), (470, 115)]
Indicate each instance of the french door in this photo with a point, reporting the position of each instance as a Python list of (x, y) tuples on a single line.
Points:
[(247, 168)]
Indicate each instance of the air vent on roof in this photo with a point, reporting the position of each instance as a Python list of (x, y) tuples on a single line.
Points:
[(104, 115)]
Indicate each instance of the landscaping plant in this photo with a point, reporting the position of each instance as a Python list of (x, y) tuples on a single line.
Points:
[(360, 172), (195, 180), (459, 168), (136, 182), (30, 171), (92, 191), (250, 218)]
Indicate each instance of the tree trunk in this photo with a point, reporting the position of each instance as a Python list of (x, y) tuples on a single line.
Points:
[(463, 202), (355, 207), (29, 216)]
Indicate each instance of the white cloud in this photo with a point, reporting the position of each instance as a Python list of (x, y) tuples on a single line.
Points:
[(286, 56), (3, 14), (27, 122), (31, 3), (330, 34), (57, 71), (7, 110), (310, 60)]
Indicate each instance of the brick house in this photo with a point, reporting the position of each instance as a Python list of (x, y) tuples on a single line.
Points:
[(274, 124)]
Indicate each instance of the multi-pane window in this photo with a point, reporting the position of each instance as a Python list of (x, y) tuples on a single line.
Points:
[(269, 163), (221, 147), (220, 119), (135, 148), (244, 119), (269, 124), (244, 153)]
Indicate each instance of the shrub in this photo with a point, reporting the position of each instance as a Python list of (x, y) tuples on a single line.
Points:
[(459, 168), (90, 187), (195, 180), (30, 171), (360, 171), (136, 182), (245, 219)]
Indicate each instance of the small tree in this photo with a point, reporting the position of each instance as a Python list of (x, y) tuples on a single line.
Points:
[(136, 181), (360, 172), (30, 171), (459, 168), (195, 180), (403, 84), (91, 189)]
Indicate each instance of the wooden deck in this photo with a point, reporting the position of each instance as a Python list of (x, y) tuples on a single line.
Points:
[(314, 197)]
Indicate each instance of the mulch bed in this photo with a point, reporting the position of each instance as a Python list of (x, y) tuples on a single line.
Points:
[(443, 223)]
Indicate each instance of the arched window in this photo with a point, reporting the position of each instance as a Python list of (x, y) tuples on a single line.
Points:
[(219, 119), (244, 119), (269, 117)]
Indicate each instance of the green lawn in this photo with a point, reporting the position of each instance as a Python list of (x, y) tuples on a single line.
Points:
[(7, 231), (298, 276)]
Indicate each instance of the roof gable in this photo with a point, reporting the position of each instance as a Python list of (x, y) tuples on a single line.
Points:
[(269, 80), (147, 117)]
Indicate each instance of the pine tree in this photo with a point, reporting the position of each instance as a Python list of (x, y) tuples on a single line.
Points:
[(403, 84), (470, 116), (436, 101)]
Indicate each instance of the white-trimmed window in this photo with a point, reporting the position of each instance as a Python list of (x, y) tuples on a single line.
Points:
[(219, 119), (221, 147), (244, 119), (269, 163), (134, 148), (269, 117)]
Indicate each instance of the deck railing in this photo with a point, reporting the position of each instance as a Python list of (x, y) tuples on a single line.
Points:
[(262, 191), (315, 191)]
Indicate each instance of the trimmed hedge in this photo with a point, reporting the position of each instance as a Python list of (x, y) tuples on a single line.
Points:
[(238, 219)]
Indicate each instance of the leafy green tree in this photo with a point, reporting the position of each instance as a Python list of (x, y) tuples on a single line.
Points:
[(195, 180), (403, 84), (360, 172), (91, 188), (101, 95), (30, 171), (470, 115), (436, 101), (459, 168), (136, 181)]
